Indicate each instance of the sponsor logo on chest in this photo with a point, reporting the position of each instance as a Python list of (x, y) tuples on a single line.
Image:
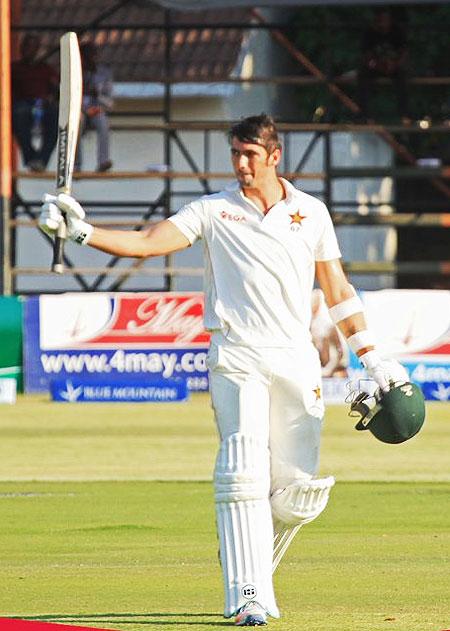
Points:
[(232, 216)]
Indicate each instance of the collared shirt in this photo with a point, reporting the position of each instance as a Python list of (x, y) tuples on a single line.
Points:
[(259, 269)]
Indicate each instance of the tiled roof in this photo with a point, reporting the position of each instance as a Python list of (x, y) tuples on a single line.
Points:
[(137, 54)]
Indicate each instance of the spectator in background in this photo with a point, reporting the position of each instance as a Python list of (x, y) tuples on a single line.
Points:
[(384, 54), (327, 339), (97, 101), (34, 104)]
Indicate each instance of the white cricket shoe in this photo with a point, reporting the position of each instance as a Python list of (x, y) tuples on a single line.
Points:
[(251, 615)]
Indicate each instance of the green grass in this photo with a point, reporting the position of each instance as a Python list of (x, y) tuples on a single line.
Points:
[(89, 536), (42, 440), (57, 441)]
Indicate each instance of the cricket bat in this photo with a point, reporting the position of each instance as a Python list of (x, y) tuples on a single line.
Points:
[(70, 93)]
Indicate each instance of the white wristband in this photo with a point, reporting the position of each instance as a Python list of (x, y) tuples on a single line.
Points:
[(80, 231), (370, 360), (360, 340), (346, 308)]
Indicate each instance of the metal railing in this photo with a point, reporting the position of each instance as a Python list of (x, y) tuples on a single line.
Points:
[(24, 211), (139, 213)]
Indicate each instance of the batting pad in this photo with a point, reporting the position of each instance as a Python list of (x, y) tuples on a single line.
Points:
[(244, 523), (293, 507)]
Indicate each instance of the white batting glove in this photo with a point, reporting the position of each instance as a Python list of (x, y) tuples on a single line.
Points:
[(385, 372), (50, 218)]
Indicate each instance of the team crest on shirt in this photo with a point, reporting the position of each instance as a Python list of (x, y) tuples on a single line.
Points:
[(296, 221)]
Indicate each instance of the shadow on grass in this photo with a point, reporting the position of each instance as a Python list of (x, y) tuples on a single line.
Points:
[(130, 618)]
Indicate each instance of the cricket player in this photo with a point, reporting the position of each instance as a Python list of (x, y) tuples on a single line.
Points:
[(265, 242)]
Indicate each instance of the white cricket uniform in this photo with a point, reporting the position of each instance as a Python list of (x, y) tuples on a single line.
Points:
[(264, 371)]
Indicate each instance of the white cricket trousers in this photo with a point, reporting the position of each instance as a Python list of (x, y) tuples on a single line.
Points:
[(268, 409)]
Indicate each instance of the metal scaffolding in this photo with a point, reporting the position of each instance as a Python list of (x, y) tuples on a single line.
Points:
[(18, 213)]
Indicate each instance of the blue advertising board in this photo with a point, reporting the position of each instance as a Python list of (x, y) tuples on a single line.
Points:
[(436, 390), (432, 377), (135, 337), (88, 391), (413, 327), (115, 338)]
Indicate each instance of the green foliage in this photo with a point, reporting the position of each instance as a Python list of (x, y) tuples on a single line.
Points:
[(331, 38)]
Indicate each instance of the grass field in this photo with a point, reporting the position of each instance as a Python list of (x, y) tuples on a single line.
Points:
[(107, 520)]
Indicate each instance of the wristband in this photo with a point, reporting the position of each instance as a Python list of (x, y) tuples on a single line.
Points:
[(370, 360), (80, 231), (360, 340), (346, 308)]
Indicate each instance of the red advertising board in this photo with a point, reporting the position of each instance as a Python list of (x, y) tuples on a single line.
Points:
[(156, 320)]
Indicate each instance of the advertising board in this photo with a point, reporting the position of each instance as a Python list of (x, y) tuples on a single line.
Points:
[(160, 336), (412, 326), (120, 338), (76, 391)]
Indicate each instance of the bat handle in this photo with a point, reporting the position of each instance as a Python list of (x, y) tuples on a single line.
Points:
[(58, 247)]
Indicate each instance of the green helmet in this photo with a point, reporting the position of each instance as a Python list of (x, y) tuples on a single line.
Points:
[(397, 415)]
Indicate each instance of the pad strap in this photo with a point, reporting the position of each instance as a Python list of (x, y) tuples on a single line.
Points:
[(360, 340), (346, 308)]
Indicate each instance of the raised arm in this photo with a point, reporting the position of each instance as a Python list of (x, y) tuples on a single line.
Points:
[(159, 239)]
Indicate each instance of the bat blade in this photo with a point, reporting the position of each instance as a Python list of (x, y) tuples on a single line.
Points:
[(70, 94)]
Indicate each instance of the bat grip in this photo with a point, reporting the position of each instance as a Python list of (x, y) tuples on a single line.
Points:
[(58, 247)]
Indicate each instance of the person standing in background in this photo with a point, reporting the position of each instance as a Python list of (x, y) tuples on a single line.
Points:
[(97, 102)]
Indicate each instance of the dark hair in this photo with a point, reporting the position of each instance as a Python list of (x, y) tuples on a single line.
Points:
[(259, 130)]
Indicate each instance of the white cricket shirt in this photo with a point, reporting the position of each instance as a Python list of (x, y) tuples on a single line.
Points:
[(259, 269)]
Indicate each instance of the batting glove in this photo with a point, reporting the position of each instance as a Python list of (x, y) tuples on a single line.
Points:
[(51, 217), (385, 372)]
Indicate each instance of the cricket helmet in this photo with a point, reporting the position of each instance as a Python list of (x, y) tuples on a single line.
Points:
[(396, 414)]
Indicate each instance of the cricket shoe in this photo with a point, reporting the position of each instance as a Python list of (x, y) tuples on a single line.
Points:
[(251, 615)]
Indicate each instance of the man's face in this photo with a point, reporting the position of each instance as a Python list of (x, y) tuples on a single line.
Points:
[(252, 162)]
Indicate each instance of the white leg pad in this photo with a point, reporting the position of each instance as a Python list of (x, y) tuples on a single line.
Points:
[(293, 507), (244, 523)]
